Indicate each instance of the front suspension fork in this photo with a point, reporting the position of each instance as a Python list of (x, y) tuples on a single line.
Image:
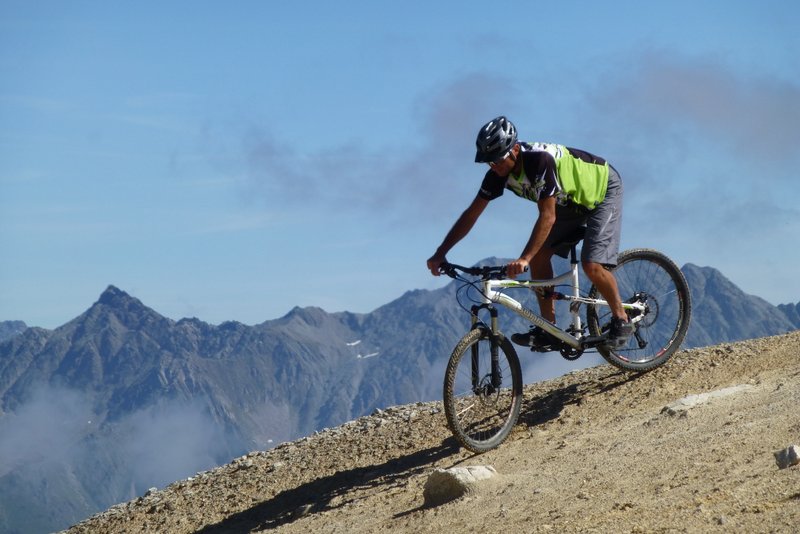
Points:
[(496, 375)]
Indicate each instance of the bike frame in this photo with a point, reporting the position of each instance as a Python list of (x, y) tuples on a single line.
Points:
[(492, 293)]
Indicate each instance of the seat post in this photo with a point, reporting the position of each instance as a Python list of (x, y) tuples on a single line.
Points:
[(574, 307)]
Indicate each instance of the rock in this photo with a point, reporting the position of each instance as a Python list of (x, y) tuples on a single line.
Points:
[(687, 403), (788, 457), (446, 485)]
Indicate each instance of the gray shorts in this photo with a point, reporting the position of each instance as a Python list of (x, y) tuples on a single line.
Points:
[(603, 226)]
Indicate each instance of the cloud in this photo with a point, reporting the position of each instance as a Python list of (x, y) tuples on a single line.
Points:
[(705, 151), (678, 100), (379, 181), (706, 219), (675, 126), (169, 442), (45, 428), (449, 117), (53, 440)]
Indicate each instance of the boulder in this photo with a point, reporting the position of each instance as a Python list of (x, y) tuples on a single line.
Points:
[(445, 485), (788, 457)]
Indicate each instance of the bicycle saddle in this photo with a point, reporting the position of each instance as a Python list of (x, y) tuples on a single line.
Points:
[(571, 239)]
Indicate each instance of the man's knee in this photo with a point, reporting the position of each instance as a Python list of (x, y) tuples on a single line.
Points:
[(594, 270)]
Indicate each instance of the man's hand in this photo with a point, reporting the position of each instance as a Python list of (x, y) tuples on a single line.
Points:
[(517, 267), (434, 262)]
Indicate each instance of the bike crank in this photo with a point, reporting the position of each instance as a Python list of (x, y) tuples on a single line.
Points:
[(570, 353)]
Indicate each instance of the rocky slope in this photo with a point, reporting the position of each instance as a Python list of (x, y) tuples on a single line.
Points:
[(593, 451)]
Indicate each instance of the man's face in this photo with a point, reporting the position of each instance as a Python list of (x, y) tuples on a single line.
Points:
[(505, 164)]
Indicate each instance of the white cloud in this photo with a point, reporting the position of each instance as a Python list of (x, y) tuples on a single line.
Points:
[(45, 428)]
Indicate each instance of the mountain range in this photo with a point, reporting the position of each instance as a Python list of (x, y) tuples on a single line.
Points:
[(121, 398)]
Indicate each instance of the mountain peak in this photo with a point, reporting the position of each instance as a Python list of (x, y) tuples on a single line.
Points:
[(119, 303), (112, 295)]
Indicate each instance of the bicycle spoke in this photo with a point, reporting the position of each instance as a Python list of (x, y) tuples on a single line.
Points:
[(465, 410)]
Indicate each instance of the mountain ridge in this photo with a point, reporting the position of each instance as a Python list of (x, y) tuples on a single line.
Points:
[(128, 369)]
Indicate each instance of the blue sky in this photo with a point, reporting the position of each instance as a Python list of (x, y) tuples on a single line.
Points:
[(230, 161)]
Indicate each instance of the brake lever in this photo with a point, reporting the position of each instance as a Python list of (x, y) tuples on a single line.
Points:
[(447, 269)]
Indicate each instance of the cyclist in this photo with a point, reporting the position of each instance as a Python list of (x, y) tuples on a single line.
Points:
[(571, 188)]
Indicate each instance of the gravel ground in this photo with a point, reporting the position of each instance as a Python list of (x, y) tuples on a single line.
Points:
[(594, 451)]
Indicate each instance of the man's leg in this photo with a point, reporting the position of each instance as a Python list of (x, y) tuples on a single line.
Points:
[(600, 247), (620, 329), (536, 338), (605, 282), (542, 268)]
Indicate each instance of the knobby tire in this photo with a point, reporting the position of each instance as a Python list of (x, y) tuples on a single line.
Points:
[(481, 414)]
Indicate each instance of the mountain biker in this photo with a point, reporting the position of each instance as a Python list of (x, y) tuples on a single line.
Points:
[(571, 188)]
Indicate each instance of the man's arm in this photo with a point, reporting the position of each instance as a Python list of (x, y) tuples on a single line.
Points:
[(459, 230), (544, 223)]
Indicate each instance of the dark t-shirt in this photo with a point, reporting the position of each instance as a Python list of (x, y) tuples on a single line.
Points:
[(539, 176)]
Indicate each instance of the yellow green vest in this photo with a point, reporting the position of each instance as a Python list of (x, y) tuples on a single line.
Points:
[(581, 182)]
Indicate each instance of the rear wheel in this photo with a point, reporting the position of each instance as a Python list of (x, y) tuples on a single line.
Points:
[(650, 278), (481, 399)]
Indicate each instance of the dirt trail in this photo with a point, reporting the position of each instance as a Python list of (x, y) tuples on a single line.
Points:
[(593, 452)]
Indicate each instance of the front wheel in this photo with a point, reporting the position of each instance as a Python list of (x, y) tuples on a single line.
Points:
[(482, 390), (650, 278)]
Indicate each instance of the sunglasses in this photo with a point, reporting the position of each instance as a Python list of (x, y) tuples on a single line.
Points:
[(500, 160)]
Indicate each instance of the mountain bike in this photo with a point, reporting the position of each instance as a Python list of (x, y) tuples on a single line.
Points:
[(483, 379)]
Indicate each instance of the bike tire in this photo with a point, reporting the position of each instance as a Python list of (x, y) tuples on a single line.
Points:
[(661, 330), (481, 415)]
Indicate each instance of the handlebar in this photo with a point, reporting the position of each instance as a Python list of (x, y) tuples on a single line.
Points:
[(489, 272)]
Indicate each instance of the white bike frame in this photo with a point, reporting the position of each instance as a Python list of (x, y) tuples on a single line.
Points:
[(492, 293)]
